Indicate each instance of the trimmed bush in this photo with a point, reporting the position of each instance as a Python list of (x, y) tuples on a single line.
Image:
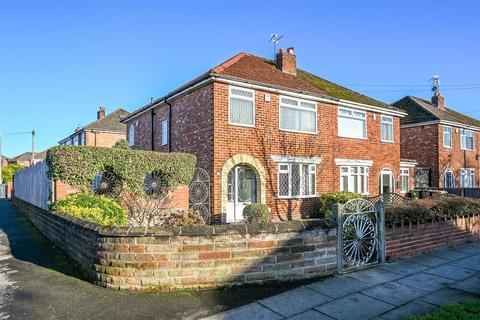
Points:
[(78, 166), (184, 218), (256, 213), (327, 200), (422, 210), (94, 208)]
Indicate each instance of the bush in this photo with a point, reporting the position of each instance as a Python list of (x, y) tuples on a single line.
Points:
[(327, 200), (184, 218), (122, 144), (256, 213), (78, 166), (9, 171), (94, 208)]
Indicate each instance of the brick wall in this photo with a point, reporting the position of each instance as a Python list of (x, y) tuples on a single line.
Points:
[(415, 239), (178, 258), (103, 139)]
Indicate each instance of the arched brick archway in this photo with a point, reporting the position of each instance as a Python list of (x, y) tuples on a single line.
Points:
[(257, 167)]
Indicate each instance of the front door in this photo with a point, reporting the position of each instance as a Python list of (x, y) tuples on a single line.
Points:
[(386, 182), (241, 191)]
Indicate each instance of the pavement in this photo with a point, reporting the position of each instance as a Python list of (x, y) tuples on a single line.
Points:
[(413, 286), (37, 281)]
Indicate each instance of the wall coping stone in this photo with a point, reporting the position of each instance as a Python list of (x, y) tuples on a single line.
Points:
[(207, 230)]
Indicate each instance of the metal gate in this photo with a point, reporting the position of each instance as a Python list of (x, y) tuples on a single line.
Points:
[(360, 234), (199, 193)]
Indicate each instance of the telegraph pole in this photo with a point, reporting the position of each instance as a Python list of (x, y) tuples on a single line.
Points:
[(33, 146)]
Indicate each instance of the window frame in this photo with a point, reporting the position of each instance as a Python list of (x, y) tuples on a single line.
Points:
[(298, 107), (462, 175), (388, 123), (352, 117), (75, 140), (131, 135), (350, 178), (165, 137), (463, 139), (404, 172), (312, 169), (451, 137), (445, 178), (245, 98)]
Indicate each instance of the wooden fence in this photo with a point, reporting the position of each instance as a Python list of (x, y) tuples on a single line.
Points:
[(32, 185)]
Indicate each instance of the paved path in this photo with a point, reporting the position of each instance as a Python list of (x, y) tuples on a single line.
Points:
[(392, 291)]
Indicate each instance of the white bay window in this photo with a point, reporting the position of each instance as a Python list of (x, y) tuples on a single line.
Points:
[(352, 123), (354, 179), (241, 110), (296, 180), (298, 115), (467, 178)]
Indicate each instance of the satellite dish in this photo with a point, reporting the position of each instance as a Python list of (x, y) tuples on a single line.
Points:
[(434, 88)]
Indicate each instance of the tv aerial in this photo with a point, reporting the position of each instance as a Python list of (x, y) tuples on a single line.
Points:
[(275, 38), (435, 80)]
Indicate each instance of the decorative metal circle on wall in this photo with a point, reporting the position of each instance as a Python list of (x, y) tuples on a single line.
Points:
[(107, 184), (199, 193), (154, 185), (359, 232)]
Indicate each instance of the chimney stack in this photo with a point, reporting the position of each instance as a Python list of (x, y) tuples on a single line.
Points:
[(438, 101), (287, 61), (101, 113)]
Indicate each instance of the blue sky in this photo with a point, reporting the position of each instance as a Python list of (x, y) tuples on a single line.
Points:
[(60, 60)]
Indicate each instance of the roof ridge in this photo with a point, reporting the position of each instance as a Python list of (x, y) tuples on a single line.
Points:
[(416, 102), (106, 116), (227, 63)]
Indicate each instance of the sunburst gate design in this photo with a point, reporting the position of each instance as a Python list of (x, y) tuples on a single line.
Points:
[(107, 184), (199, 193), (359, 232), (203, 210), (154, 185)]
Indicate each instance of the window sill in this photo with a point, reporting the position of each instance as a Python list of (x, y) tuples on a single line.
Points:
[(295, 198), (463, 149), (295, 131), (241, 125), (386, 141), (354, 138)]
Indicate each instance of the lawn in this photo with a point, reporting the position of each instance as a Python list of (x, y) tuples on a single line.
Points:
[(464, 311)]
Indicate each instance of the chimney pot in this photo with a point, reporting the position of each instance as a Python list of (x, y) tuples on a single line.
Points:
[(101, 112), (438, 101), (287, 61)]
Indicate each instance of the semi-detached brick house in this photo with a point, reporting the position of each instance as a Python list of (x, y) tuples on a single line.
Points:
[(105, 131), (442, 140), (271, 133)]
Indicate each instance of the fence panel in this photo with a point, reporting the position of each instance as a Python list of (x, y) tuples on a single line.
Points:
[(32, 185)]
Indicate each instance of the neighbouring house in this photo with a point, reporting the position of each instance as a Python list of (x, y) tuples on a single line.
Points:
[(103, 132), (443, 141), (28, 158), (271, 133), (4, 161)]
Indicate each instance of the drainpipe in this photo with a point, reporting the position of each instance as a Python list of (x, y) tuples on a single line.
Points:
[(169, 125), (152, 131)]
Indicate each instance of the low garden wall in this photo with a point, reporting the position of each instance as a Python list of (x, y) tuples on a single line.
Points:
[(190, 257), (414, 239)]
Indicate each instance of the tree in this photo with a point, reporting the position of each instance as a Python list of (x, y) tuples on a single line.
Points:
[(121, 144), (9, 171)]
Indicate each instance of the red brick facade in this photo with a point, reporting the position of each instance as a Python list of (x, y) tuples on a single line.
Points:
[(199, 125), (425, 144)]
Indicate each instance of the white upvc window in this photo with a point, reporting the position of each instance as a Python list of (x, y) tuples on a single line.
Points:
[(447, 136), (404, 180), (449, 179), (131, 135), (354, 179), (296, 180), (241, 106), (75, 140), (164, 132), (386, 128), (298, 115), (466, 139), (84, 138), (467, 178), (352, 123)]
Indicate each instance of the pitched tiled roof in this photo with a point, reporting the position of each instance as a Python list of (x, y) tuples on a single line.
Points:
[(111, 122), (261, 71), (26, 156), (421, 110)]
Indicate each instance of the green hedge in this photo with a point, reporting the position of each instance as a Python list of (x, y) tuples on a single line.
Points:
[(327, 200), (9, 171), (78, 166)]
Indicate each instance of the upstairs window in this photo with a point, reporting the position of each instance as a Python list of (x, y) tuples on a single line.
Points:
[(164, 132), (447, 137), (466, 139), (354, 179), (131, 135), (296, 180), (241, 107), (467, 178), (386, 129), (75, 140), (298, 115), (352, 123), (404, 180)]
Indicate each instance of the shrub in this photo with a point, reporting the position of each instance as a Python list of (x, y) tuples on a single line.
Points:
[(256, 213), (145, 212), (9, 171), (327, 200), (122, 144), (78, 166), (184, 218), (94, 208)]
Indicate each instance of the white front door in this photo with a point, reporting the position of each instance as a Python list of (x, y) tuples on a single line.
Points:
[(386, 182), (241, 191)]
